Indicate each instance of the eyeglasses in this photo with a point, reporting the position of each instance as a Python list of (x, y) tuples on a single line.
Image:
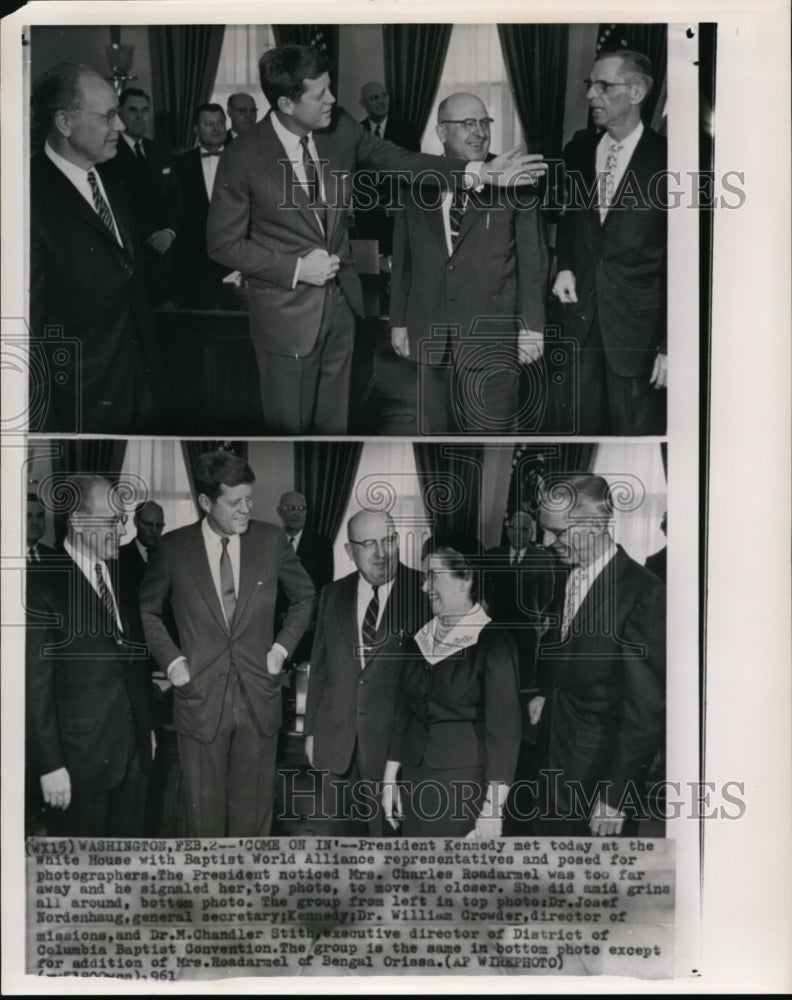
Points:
[(370, 544), (293, 508), (602, 86), (151, 524), (243, 111), (109, 117), (469, 123)]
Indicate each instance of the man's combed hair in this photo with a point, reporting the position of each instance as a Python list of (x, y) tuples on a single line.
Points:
[(636, 64), (207, 107), (132, 92), (580, 495), (81, 489), (283, 70), (57, 89), (219, 468)]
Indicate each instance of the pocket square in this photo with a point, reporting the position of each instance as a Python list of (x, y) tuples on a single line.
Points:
[(166, 170)]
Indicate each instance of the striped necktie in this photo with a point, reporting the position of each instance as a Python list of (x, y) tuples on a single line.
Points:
[(227, 591), (101, 206), (457, 211), (369, 630), (608, 184), (106, 596)]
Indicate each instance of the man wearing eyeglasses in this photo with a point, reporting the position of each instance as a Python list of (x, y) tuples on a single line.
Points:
[(467, 290), (363, 623), (149, 521), (88, 688), (612, 244), (90, 316), (601, 705), (242, 111)]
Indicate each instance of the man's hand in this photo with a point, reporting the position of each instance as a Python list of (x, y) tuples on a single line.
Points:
[(659, 377), (513, 167), (400, 341), (161, 240), (530, 346), (309, 749), (535, 706), (56, 788), (391, 803), (486, 828), (275, 661), (318, 267), (564, 287), (605, 820), (179, 672)]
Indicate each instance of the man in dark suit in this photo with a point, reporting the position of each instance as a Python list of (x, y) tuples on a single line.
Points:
[(242, 111), (37, 551), (279, 215), (371, 220), (657, 561), (222, 576), (148, 171), (90, 316), (88, 689), (467, 291), (199, 279), (601, 670), (363, 624), (314, 551), (149, 521), (612, 242)]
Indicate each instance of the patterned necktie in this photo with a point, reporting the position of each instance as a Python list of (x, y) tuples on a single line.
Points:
[(458, 206), (101, 206), (227, 591), (106, 596), (139, 151), (312, 177), (572, 599), (608, 182), (369, 630)]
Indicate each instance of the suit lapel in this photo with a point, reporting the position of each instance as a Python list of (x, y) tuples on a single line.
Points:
[(346, 609), (248, 552), (470, 217), (283, 176), (596, 609), (72, 200), (112, 186)]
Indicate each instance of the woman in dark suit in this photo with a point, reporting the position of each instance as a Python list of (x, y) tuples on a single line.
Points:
[(456, 730)]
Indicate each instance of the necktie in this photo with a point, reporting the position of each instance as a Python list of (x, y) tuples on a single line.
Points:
[(378, 131), (101, 206), (227, 591), (609, 180), (210, 152), (139, 151), (312, 177), (33, 555), (293, 542), (106, 596), (572, 599), (458, 206), (369, 629)]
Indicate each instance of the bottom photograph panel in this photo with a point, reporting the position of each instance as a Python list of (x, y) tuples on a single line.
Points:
[(346, 709)]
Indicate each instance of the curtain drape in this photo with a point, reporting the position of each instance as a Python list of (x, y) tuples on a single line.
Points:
[(184, 61), (325, 473), (652, 41), (450, 478), (414, 57), (192, 449), (320, 36), (536, 63)]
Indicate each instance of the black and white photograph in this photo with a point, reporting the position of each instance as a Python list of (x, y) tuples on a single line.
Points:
[(380, 595)]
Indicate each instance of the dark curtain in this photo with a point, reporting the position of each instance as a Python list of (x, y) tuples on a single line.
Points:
[(192, 449), (319, 36), (414, 58), (536, 64), (325, 473), (652, 41), (664, 456), (450, 478), (184, 61)]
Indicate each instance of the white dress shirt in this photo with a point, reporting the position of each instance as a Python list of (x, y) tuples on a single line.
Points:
[(209, 168), (142, 550), (132, 142), (364, 594), (294, 540), (79, 178), (86, 564), (588, 574), (214, 550)]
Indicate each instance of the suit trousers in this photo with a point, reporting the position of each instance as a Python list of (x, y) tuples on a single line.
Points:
[(230, 782), (114, 812), (608, 403), (352, 804), (310, 394)]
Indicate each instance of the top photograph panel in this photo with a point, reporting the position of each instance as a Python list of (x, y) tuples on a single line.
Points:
[(300, 230)]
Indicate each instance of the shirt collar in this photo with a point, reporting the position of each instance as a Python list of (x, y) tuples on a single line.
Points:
[(464, 632), (628, 143), (212, 539), (77, 175), (131, 141), (593, 570), (83, 560), (289, 141)]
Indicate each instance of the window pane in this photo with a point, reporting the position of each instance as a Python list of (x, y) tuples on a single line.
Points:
[(243, 46)]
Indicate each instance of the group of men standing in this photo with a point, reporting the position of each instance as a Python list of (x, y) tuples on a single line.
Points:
[(116, 220), (222, 605)]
